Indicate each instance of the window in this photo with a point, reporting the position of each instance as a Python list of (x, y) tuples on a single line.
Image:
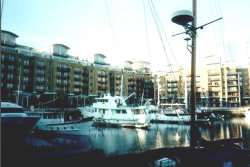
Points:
[(2, 57), (9, 85), (26, 62), (124, 111), (44, 116), (10, 67), (10, 76)]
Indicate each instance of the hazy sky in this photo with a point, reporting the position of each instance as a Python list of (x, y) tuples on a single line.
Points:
[(125, 29)]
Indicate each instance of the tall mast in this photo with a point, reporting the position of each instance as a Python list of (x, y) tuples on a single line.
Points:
[(193, 131), (1, 12), (184, 18)]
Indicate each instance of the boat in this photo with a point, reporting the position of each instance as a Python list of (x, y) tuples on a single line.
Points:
[(247, 113), (169, 115), (156, 115), (15, 121), (113, 111), (176, 113), (173, 114), (53, 122)]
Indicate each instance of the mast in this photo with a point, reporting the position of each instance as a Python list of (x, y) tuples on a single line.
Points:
[(184, 18), (1, 12), (193, 140)]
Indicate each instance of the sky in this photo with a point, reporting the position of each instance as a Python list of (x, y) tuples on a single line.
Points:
[(126, 30)]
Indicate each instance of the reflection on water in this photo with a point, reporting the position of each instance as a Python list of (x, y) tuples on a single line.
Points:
[(118, 141), (123, 140), (234, 128)]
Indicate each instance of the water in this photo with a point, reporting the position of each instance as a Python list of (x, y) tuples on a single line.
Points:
[(113, 141), (119, 141)]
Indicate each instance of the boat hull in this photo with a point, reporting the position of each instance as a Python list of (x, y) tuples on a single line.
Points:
[(18, 125), (136, 121), (128, 123), (80, 127)]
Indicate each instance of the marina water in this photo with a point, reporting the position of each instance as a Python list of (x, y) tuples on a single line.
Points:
[(116, 141)]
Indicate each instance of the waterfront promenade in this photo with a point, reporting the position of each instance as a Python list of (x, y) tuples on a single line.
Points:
[(228, 111)]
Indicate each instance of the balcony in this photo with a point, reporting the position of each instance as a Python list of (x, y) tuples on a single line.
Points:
[(40, 66), (85, 73), (171, 81), (63, 84), (63, 69), (118, 77), (131, 79), (10, 79), (77, 72), (232, 78), (102, 88), (232, 90), (213, 85), (85, 80), (84, 86), (213, 73), (232, 96), (131, 84), (63, 77), (40, 74), (9, 49), (77, 79), (102, 75), (40, 82), (213, 90), (77, 85)]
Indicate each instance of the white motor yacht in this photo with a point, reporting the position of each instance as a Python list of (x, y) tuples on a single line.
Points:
[(54, 122), (112, 110)]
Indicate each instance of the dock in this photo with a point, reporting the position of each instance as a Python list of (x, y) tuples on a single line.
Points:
[(227, 111)]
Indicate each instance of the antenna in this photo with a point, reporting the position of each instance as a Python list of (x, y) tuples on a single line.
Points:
[(184, 18)]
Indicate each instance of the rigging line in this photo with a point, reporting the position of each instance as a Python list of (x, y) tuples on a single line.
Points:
[(1, 10), (110, 22), (158, 24), (218, 8), (157, 16), (213, 13), (172, 53), (146, 27), (158, 30)]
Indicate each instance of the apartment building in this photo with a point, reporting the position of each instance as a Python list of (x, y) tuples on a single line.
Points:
[(244, 74), (29, 76), (217, 85)]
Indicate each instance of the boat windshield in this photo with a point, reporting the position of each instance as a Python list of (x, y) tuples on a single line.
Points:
[(138, 111), (11, 110)]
